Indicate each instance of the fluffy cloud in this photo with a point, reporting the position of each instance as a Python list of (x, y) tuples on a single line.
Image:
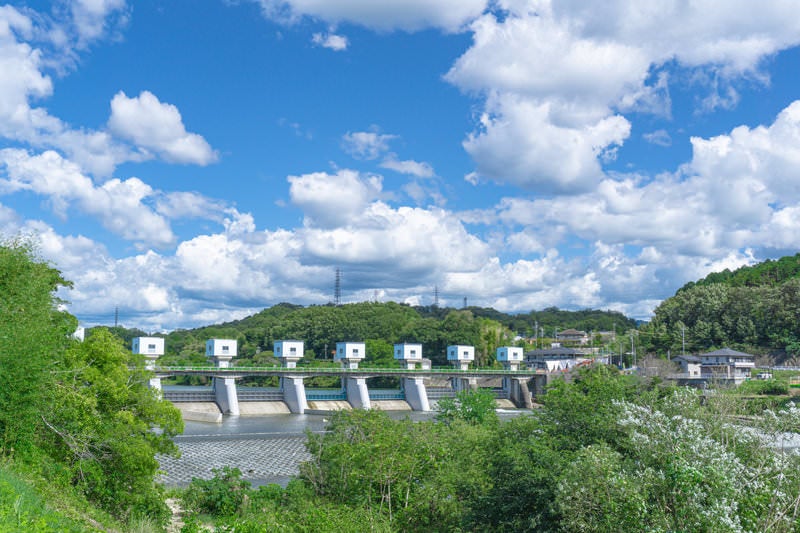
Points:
[(521, 143), (334, 42), (330, 200), (119, 205), (554, 76), (30, 46), (157, 127), (404, 241), (388, 15), (91, 17), (737, 195)]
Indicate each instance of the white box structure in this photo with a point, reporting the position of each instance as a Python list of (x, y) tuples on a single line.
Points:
[(509, 354), (350, 353), (460, 352), (408, 352), (152, 346), (221, 348), (221, 351), (290, 352), (460, 356)]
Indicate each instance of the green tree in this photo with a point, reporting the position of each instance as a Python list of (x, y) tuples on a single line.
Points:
[(107, 425), (33, 332), (473, 407)]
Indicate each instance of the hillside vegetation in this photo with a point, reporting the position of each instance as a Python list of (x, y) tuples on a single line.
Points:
[(755, 308), (380, 325), (769, 273)]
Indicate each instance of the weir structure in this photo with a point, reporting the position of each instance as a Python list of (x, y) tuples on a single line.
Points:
[(413, 373)]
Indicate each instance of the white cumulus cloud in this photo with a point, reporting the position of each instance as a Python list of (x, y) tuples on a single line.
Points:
[(555, 76), (333, 199), (157, 127)]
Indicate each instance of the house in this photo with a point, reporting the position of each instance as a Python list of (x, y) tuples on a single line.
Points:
[(690, 365), (724, 366), (727, 365), (572, 336), (555, 359)]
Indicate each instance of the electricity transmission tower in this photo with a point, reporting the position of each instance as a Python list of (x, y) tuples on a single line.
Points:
[(337, 288)]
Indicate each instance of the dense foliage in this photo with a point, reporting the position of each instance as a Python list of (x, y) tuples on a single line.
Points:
[(79, 414), (760, 319), (753, 308), (380, 325), (769, 272)]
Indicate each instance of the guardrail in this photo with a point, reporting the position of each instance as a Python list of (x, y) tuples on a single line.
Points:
[(256, 394), (188, 396), (325, 394), (323, 371)]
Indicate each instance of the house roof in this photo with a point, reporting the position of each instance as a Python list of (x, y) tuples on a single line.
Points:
[(726, 352), (573, 332), (558, 351), (687, 358)]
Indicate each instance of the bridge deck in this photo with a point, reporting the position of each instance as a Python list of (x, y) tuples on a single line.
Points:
[(235, 372)]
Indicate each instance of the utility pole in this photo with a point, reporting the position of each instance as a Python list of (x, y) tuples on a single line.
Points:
[(633, 350), (683, 340)]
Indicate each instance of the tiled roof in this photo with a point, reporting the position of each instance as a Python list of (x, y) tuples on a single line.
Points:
[(558, 351), (726, 352)]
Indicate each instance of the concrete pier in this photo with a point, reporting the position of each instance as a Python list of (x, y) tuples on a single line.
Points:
[(221, 351), (519, 392), (294, 394), (357, 392), (416, 394), (225, 395)]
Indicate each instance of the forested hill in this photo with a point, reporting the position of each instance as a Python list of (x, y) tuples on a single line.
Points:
[(382, 324), (755, 308), (767, 273)]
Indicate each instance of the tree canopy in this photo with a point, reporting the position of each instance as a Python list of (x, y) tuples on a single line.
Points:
[(81, 412)]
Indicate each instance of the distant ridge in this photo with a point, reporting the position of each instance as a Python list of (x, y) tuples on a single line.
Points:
[(769, 273)]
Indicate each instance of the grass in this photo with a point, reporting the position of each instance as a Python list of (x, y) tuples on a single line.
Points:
[(31, 503)]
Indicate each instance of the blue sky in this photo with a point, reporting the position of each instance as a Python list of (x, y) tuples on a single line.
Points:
[(194, 163)]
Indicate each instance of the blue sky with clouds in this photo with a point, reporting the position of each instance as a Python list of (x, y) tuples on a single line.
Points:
[(193, 163)]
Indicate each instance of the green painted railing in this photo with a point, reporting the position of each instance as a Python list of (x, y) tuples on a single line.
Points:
[(340, 371)]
